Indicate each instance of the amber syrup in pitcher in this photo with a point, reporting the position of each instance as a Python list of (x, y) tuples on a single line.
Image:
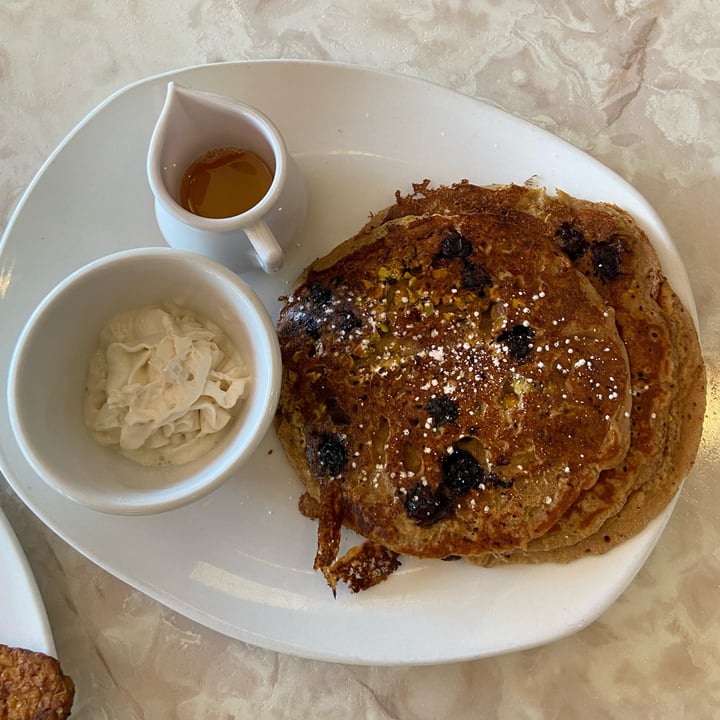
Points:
[(225, 182)]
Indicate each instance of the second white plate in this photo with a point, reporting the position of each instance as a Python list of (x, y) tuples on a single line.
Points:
[(23, 620), (240, 560)]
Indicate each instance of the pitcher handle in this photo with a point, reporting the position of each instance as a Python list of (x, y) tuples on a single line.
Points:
[(266, 246)]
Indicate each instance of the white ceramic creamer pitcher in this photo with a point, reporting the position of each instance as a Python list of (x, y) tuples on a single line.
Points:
[(193, 122)]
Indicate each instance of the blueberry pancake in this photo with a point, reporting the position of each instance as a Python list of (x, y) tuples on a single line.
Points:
[(488, 373), (451, 386)]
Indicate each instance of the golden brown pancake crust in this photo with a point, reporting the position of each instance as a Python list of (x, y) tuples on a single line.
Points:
[(409, 419)]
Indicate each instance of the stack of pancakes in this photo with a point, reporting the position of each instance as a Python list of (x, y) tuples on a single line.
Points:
[(495, 374)]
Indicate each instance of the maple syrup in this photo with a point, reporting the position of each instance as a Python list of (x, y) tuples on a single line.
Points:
[(225, 182)]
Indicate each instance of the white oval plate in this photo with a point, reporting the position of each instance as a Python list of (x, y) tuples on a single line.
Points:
[(240, 560), (23, 620)]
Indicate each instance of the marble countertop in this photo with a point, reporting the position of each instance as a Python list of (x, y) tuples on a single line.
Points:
[(636, 83)]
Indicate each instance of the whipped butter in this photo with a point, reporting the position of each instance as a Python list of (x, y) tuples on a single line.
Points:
[(163, 386)]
